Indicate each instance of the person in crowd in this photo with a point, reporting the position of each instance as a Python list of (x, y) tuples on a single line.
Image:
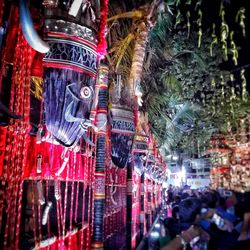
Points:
[(177, 200), (209, 215), (185, 215), (187, 238), (164, 236)]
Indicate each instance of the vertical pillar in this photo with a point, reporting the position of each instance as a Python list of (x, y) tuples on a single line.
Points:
[(153, 204), (146, 190), (99, 185), (149, 203), (129, 204), (142, 212)]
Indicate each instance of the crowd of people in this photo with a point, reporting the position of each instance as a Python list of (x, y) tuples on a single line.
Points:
[(204, 219)]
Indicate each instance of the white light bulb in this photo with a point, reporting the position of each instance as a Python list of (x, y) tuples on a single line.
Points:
[(157, 225), (155, 234)]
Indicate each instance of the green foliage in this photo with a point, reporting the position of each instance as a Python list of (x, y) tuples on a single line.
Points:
[(186, 93), (185, 106)]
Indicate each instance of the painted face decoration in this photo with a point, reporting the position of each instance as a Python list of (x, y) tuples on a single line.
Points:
[(69, 80), (139, 163), (122, 135), (140, 154), (149, 165)]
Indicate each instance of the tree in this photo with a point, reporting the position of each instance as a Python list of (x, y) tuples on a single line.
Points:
[(143, 19), (189, 97)]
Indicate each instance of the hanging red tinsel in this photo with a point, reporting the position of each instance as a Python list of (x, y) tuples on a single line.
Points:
[(1, 11), (102, 44)]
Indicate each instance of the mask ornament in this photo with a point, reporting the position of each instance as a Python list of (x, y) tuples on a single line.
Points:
[(138, 163), (122, 125), (70, 69), (157, 172), (149, 165), (141, 144), (122, 135)]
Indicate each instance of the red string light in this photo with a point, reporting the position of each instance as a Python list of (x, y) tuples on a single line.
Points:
[(33, 213), (102, 44), (72, 198), (59, 214), (47, 198)]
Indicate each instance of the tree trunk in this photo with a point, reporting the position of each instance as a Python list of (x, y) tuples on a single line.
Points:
[(138, 57)]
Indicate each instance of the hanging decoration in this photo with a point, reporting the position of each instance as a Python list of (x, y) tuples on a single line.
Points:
[(224, 32), (136, 194), (220, 154), (178, 19), (199, 23), (233, 49), (50, 210), (122, 134), (122, 124), (75, 7), (240, 18), (16, 143), (222, 83), (69, 74), (214, 40), (188, 23), (102, 44), (115, 205), (230, 159), (141, 143), (244, 85)]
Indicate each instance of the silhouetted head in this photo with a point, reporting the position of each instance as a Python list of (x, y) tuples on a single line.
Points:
[(189, 209)]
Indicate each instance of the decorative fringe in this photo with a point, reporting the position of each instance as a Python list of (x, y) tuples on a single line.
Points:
[(102, 44), (1, 11), (36, 87), (17, 141)]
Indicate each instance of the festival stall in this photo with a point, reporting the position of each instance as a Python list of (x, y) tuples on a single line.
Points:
[(220, 154), (240, 160), (231, 155)]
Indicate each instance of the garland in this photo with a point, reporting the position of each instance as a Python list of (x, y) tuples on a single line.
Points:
[(2, 5), (102, 44), (17, 140)]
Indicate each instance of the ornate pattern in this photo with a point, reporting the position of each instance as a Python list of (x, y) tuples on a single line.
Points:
[(65, 111), (123, 120), (123, 126), (103, 99), (50, 3), (100, 153), (99, 185), (98, 222), (141, 146), (139, 163), (122, 135), (70, 70), (121, 147), (71, 29), (72, 53)]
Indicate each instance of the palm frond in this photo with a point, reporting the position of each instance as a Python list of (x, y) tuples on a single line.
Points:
[(130, 14), (120, 48)]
